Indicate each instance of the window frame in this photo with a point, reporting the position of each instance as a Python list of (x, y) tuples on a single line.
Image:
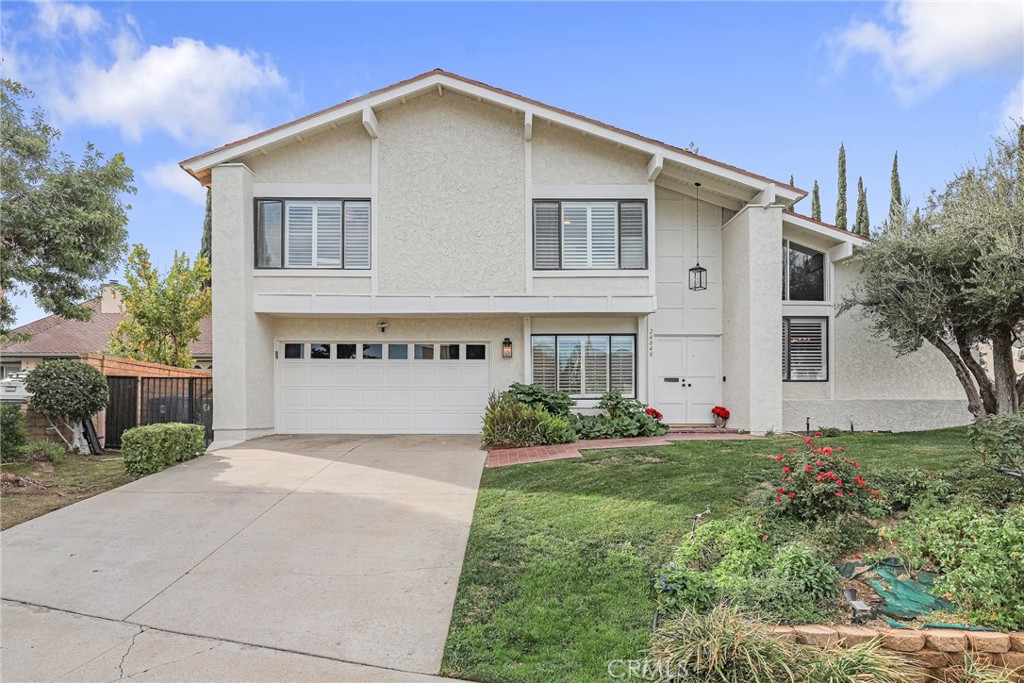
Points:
[(786, 352), (283, 241), (825, 293), (583, 396), (561, 233)]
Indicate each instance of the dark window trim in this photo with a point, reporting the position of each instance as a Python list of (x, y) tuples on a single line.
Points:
[(618, 231), (283, 201), (825, 349), (556, 335), (826, 294)]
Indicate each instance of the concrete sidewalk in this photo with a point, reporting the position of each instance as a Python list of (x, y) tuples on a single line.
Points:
[(343, 548)]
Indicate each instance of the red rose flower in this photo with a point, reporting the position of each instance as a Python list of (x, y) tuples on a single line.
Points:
[(778, 458), (785, 470), (817, 433), (778, 500), (808, 439), (791, 494), (809, 468)]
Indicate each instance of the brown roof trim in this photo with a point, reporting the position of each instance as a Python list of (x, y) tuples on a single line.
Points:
[(825, 225), (507, 93)]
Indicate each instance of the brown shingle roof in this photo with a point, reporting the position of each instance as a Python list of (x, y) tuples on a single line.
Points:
[(56, 336)]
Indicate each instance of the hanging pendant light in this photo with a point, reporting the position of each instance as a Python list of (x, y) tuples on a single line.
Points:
[(698, 275)]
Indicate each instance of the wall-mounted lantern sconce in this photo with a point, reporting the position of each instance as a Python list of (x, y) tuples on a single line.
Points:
[(506, 348)]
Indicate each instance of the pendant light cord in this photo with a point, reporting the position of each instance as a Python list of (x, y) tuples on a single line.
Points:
[(697, 185)]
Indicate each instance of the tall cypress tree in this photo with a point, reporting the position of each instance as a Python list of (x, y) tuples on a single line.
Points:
[(862, 224), (206, 247), (816, 202), (841, 199), (896, 210), (791, 183)]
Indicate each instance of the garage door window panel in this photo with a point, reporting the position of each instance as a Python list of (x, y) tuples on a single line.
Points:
[(346, 351), (319, 351), (373, 351), (398, 351), (294, 351)]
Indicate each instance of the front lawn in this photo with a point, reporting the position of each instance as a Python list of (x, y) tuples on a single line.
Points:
[(557, 575), (71, 479)]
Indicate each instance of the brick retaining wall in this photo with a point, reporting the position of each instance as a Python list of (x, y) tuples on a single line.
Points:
[(937, 651)]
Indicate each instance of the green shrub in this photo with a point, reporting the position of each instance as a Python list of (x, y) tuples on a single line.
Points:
[(820, 483), (1000, 440), (151, 448), (508, 423), (857, 664), (12, 431), (828, 432), (978, 551), (803, 571), (622, 418), (722, 646), (554, 402), (977, 670), (67, 387), (42, 451)]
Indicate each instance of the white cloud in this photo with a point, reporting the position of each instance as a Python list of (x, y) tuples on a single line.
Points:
[(924, 45), (1013, 106), (171, 177), (52, 17), (193, 91)]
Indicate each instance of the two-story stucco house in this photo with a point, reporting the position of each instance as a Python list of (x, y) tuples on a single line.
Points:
[(384, 264)]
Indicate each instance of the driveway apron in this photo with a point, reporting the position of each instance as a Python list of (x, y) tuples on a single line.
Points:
[(341, 547)]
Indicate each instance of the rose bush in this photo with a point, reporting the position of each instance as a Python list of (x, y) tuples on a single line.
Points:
[(820, 481)]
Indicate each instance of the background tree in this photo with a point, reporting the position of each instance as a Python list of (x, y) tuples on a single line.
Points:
[(162, 312), (953, 277), (62, 227), (816, 202), (896, 208), (206, 247), (791, 183), (67, 391), (862, 224), (841, 199)]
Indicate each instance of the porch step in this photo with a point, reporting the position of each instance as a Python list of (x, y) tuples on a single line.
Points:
[(700, 429)]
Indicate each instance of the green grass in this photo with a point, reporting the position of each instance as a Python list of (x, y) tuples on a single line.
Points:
[(557, 575), (73, 478)]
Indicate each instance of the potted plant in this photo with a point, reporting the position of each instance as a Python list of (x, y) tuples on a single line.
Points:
[(721, 414)]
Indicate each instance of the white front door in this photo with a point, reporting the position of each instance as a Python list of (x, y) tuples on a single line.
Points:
[(687, 378)]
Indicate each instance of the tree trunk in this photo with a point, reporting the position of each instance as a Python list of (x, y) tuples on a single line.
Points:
[(1007, 400), (974, 402), (988, 396)]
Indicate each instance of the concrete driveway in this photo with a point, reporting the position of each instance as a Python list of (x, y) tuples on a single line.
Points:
[(338, 557)]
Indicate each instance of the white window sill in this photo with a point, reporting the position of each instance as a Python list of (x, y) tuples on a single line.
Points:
[(310, 272), (589, 273)]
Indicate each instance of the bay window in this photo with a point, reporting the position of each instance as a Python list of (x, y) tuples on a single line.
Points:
[(585, 365), (321, 233)]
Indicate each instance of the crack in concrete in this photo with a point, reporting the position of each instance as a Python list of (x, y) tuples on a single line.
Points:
[(179, 659), (120, 665)]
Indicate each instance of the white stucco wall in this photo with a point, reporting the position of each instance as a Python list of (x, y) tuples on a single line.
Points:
[(333, 156), (451, 198), (562, 156), (565, 286), (331, 284), (492, 330)]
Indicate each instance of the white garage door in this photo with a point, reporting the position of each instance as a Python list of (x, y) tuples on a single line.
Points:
[(372, 387)]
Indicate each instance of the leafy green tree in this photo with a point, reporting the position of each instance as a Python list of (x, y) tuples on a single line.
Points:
[(953, 277), (67, 391), (896, 208), (62, 223), (816, 202), (162, 312), (841, 198), (862, 224)]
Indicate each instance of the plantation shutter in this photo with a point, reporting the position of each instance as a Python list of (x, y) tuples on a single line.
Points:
[(595, 375), (545, 366), (575, 236), (327, 231), (806, 339), (546, 236), (604, 235), (632, 235), (622, 364), (570, 364), (357, 235), (299, 235)]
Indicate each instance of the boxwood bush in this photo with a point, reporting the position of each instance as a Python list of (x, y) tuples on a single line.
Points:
[(151, 448)]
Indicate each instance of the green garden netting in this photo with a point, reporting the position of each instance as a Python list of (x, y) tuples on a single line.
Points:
[(904, 595)]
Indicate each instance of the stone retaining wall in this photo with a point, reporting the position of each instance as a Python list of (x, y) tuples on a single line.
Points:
[(938, 651)]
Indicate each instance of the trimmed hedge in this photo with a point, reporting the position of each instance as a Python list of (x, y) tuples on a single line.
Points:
[(151, 448)]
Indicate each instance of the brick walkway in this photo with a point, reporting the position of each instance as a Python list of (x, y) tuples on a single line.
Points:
[(500, 457)]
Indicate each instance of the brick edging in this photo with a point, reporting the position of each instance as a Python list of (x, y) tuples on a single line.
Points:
[(936, 650)]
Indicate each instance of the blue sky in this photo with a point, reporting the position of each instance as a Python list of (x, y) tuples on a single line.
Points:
[(770, 87)]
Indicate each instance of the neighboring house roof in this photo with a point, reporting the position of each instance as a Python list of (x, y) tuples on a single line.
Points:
[(200, 165), (54, 336)]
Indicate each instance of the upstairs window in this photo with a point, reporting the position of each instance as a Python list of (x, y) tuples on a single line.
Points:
[(313, 234), (803, 273), (805, 349), (601, 235)]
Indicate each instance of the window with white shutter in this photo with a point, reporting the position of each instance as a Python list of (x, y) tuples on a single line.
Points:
[(313, 234), (805, 349), (585, 366), (577, 235)]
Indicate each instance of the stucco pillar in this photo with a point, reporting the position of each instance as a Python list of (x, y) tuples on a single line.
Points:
[(242, 342), (752, 318)]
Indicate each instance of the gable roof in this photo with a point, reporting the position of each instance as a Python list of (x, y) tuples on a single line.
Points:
[(825, 229), (54, 336), (199, 166)]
